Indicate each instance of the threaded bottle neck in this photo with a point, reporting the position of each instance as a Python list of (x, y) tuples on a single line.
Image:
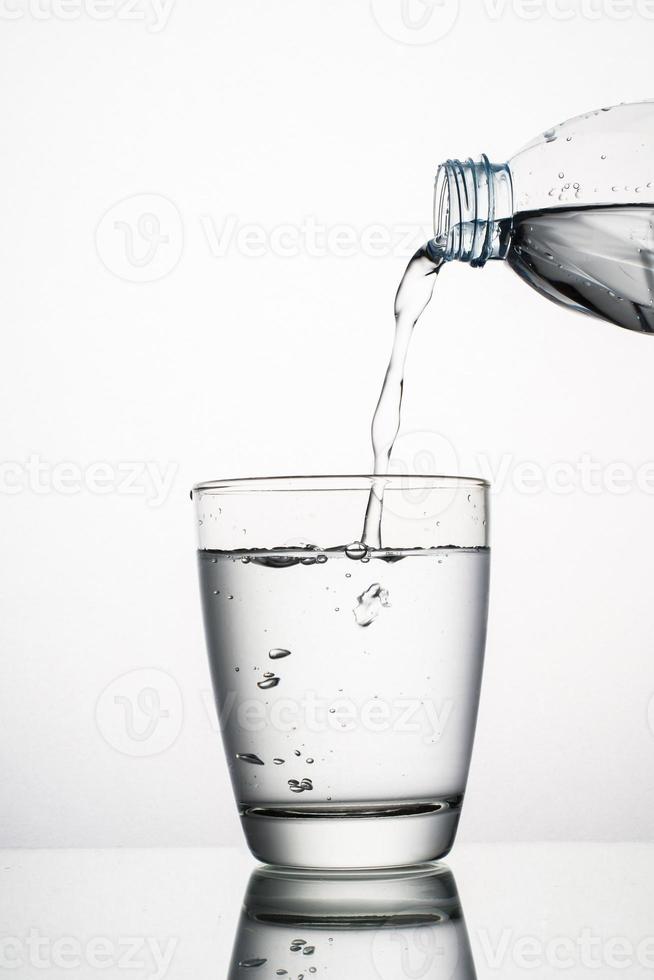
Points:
[(473, 207)]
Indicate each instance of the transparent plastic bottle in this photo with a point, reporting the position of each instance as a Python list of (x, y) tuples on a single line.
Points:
[(572, 213)]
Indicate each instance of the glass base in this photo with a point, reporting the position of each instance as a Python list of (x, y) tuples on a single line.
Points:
[(354, 837)]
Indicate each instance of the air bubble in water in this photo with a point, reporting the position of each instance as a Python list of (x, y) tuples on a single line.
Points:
[(254, 760), (270, 681), (370, 603), (356, 551), (278, 653)]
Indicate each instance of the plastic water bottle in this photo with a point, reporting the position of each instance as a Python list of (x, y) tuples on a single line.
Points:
[(572, 213)]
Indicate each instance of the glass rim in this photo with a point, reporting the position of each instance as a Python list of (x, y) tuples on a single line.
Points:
[(347, 481)]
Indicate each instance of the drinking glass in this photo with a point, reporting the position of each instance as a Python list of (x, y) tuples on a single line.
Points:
[(346, 678)]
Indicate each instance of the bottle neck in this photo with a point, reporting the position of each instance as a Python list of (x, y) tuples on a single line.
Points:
[(473, 208)]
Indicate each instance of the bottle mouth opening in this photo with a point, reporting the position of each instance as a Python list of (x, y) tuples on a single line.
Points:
[(472, 199), (442, 204)]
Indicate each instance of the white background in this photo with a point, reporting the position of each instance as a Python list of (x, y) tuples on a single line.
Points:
[(204, 360)]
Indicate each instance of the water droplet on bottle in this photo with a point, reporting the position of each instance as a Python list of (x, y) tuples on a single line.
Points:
[(245, 559), (246, 964), (603, 156), (254, 760), (348, 575), (299, 942), (236, 669), (294, 786), (280, 973), (269, 682), (297, 753), (550, 135), (310, 762), (230, 596), (216, 591), (278, 762), (308, 950), (568, 139), (561, 175), (306, 784), (321, 559)]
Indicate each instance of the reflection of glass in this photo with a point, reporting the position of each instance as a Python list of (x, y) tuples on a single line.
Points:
[(390, 926), (347, 680)]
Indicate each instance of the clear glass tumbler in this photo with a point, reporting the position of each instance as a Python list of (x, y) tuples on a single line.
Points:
[(346, 679)]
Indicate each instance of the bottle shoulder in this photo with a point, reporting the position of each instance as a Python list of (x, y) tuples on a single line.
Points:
[(600, 158)]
